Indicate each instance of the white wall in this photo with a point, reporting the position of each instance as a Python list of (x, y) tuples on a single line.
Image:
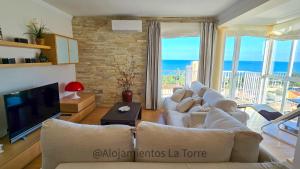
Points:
[(14, 15)]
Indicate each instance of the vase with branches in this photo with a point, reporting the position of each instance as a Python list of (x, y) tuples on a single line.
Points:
[(127, 75), (37, 32)]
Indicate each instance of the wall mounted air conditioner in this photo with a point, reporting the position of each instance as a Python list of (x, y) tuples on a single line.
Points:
[(127, 25)]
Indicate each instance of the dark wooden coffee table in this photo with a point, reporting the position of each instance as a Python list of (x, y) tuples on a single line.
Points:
[(114, 116)]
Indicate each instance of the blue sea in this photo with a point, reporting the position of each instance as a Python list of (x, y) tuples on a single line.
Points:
[(253, 66)]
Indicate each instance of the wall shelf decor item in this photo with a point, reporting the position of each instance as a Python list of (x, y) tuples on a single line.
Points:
[(64, 50), (23, 45)]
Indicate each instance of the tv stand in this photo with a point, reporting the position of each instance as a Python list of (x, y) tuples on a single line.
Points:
[(22, 152)]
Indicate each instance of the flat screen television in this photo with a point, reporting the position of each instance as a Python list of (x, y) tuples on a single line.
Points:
[(26, 110)]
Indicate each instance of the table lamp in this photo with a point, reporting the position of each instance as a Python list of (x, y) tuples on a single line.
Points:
[(74, 87)]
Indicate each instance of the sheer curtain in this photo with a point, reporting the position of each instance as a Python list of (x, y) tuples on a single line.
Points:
[(208, 37), (153, 66)]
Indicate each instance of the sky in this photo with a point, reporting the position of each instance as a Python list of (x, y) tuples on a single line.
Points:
[(182, 48), (252, 49)]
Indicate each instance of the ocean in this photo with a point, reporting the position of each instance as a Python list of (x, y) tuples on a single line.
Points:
[(253, 66)]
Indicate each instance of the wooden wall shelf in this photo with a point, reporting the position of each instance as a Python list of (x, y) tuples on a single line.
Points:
[(23, 45), (25, 65)]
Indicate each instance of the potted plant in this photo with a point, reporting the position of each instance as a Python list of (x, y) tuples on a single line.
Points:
[(37, 31), (126, 78), (43, 57)]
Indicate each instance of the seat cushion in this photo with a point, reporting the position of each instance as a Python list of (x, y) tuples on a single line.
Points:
[(162, 143), (153, 165), (63, 141), (246, 142)]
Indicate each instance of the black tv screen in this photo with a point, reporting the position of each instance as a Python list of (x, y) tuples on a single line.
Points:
[(27, 109)]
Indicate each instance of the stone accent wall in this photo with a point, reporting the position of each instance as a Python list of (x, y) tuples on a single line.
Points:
[(98, 48)]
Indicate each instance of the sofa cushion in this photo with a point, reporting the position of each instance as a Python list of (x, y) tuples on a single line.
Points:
[(153, 165), (185, 104), (188, 93), (178, 95), (162, 143), (246, 142), (63, 141)]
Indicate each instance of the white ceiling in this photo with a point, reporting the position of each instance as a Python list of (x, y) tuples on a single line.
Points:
[(164, 8), (270, 13)]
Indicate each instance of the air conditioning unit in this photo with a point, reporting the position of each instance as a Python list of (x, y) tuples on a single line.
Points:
[(127, 25)]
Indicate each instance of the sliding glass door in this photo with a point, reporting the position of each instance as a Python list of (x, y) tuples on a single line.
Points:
[(260, 70), (243, 66)]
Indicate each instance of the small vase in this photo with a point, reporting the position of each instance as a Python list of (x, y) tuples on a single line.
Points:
[(40, 41), (127, 96)]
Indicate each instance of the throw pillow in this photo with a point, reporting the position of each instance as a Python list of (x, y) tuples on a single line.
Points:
[(198, 100), (185, 104), (202, 91), (246, 144), (226, 105), (195, 108), (188, 93), (189, 144), (178, 95)]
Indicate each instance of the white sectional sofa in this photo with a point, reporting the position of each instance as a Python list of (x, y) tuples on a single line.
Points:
[(211, 98), (67, 145)]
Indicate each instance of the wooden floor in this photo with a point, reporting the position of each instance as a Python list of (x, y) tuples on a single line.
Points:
[(280, 150)]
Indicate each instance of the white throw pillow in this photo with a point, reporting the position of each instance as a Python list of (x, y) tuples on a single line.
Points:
[(170, 144), (66, 142), (185, 104), (178, 95), (196, 86), (246, 144), (211, 97)]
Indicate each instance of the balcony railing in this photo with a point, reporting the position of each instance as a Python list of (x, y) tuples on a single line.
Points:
[(176, 78)]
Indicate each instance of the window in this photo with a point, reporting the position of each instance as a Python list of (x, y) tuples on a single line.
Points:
[(257, 70), (227, 68), (180, 57), (243, 64)]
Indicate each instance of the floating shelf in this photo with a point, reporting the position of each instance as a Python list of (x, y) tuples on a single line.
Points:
[(25, 65), (23, 45)]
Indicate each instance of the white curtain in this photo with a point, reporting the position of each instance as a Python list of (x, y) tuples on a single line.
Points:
[(153, 65), (208, 36)]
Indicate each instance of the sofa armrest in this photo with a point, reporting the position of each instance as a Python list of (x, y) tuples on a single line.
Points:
[(196, 118)]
